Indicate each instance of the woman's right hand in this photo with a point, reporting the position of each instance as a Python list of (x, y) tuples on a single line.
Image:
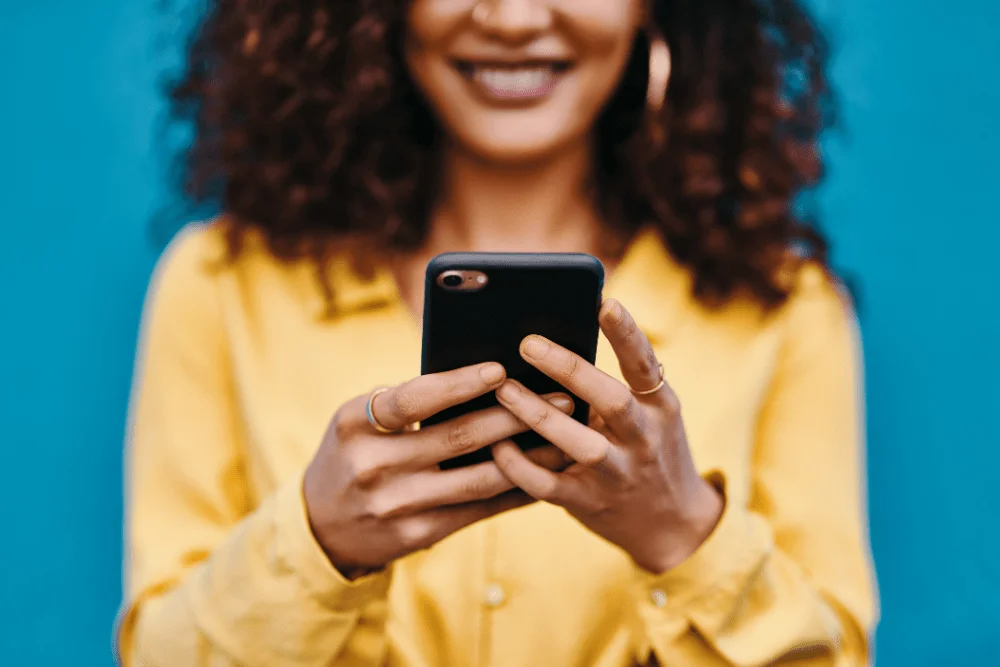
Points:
[(373, 497)]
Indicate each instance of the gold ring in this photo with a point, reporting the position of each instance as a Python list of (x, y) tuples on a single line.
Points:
[(481, 13), (371, 415), (658, 387)]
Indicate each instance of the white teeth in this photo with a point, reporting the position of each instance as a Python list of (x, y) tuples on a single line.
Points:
[(522, 81)]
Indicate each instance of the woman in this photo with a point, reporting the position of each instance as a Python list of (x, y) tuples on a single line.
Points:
[(282, 513)]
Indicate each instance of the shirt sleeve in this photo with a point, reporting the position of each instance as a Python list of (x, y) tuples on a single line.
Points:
[(787, 579), (213, 577)]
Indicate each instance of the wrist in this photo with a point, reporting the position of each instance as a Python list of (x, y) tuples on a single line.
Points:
[(684, 532), (350, 568), (347, 567)]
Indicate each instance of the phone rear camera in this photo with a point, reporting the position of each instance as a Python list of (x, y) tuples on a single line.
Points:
[(452, 281)]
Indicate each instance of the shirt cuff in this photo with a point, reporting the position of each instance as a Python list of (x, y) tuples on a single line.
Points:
[(298, 549), (704, 588)]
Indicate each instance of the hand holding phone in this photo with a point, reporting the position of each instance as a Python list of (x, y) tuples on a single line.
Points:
[(373, 497)]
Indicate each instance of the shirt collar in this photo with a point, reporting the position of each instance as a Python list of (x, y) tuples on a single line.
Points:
[(648, 282), (352, 292)]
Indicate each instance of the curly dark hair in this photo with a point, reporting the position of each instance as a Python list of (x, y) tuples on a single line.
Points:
[(308, 129)]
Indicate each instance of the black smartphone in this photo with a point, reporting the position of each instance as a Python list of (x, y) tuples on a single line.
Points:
[(479, 307)]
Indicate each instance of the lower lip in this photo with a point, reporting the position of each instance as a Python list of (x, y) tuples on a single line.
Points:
[(515, 91)]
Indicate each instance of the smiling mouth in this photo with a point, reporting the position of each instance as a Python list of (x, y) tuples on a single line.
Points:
[(514, 82)]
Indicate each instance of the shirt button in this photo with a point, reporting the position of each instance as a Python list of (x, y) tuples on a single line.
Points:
[(494, 596), (658, 597)]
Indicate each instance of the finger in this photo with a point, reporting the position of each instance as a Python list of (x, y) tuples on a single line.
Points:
[(465, 434), (432, 489), (609, 397), (636, 357), (550, 458), (423, 530), (428, 395), (598, 424), (538, 482), (581, 443)]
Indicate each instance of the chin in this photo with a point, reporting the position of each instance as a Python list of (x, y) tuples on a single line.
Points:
[(511, 150)]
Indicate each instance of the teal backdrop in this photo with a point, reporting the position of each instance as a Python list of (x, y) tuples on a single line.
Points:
[(910, 205)]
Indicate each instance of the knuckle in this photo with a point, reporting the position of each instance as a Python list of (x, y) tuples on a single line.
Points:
[(622, 406), (404, 406), (415, 534), (539, 419), (462, 437), (368, 470), (340, 426), (598, 506), (478, 488), (571, 367), (629, 328), (596, 455), (648, 364), (384, 507), (547, 491), (671, 401), (502, 461)]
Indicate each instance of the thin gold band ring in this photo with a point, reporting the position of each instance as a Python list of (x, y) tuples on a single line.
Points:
[(371, 415), (658, 387)]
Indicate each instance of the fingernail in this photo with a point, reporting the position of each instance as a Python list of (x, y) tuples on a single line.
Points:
[(492, 374), (561, 401), (611, 311), (507, 392), (534, 346)]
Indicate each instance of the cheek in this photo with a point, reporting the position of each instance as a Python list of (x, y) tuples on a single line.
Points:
[(599, 23), (601, 33), (432, 24), (601, 71), (431, 27)]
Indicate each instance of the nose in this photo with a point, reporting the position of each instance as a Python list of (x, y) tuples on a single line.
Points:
[(513, 20)]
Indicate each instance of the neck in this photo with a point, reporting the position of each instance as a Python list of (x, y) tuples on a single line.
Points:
[(547, 206)]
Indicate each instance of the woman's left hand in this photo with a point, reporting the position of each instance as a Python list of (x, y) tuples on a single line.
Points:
[(633, 482)]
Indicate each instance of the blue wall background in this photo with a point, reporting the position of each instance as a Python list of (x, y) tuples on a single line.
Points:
[(911, 206)]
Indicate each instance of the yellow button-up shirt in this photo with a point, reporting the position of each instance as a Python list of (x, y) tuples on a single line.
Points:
[(238, 375)]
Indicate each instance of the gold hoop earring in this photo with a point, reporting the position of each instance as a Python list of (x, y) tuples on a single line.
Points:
[(481, 13), (659, 72), (656, 89)]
